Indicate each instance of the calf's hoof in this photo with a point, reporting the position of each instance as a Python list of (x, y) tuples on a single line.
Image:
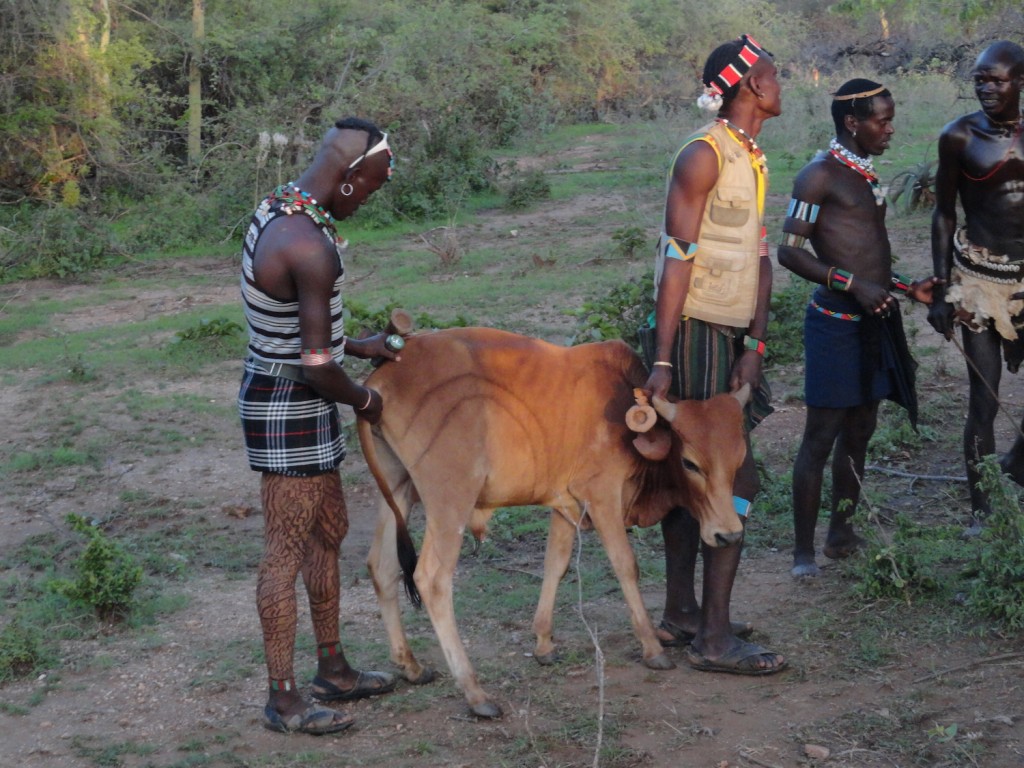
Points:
[(486, 709), (661, 662), (426, 675), (546, 659)]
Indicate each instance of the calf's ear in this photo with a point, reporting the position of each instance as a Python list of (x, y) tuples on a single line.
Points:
[(655, 444)]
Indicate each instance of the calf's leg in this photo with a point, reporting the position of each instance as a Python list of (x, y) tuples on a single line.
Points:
[(561, 535), (608, 523), (386, 574), (434, 575)]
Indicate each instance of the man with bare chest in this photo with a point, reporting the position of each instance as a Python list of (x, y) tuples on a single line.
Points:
[(981, 161), (855, 349)]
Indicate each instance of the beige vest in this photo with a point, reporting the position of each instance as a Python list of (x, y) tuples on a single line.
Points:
[(723, 283)]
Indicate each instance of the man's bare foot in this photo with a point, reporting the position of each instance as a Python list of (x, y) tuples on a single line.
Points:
[(804, 566), (973, 530), (805, 571), (842, 544)]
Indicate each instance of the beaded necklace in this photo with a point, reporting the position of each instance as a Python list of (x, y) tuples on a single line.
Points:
[(1017, 127), (760, 162), (861, 165), (294, 200)]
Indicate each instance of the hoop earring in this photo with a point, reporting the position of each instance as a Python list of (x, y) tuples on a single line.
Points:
[(346, 192)]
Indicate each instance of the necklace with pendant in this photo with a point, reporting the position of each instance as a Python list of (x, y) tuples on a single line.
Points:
[(755, 152), (861, 165), (294, 200)]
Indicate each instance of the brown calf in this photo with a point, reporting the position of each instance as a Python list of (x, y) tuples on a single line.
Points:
[(476, 419)]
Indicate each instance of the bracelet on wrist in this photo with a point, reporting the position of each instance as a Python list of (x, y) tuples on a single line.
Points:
[(901, 284), (369, 399), (839, 279), (664, 363), (755, 345)]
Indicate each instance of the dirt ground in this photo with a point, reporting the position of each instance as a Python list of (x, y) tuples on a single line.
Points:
[(160, 697)]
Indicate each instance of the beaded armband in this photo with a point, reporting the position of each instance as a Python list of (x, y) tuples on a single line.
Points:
[(901, 284), (756, 345), (679, 249), (839, 279), (316, 356), (793, 240), (802, 211)]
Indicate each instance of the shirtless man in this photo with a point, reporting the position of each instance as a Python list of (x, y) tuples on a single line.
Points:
[(981, 161), (856, 352)]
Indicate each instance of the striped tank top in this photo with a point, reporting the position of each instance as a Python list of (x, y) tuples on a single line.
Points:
[(273, 324)]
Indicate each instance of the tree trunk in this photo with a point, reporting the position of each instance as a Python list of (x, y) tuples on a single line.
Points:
[(195, 84)]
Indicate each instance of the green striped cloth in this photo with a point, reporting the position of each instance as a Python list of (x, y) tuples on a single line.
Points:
[(702, 360)]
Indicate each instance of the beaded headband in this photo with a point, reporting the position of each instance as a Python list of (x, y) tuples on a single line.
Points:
[(861, 95), (736, 69)]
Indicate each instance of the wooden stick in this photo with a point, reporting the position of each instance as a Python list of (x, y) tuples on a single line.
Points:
[(969, 665)]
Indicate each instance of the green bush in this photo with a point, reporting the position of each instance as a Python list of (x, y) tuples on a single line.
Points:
[(107, 574), (630, 240), (49, 241), (22, 651), (785, 345), (906, 563), (526, 189), (617, 315), (216, 339), (998, 589)]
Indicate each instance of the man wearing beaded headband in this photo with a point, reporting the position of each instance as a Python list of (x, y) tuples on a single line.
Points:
[(855, 349), (292, 272), (713, 285), (981, 161)]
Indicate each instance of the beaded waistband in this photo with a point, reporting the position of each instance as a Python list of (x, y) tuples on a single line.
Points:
[(850, 316)]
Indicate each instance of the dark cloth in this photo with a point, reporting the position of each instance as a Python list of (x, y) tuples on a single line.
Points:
[(856, 359), (289, 429), (702, 359)]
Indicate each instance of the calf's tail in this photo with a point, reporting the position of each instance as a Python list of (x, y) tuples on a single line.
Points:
[(403, 541)]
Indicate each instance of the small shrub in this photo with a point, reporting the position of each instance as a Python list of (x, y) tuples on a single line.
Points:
[(998, 590), (107, 574), (210, 329), (906, 563), (208, 339), (916, 187), (630, 240), (785, 345), (617, 315), (22, 650), (527, 189), (360, 320)]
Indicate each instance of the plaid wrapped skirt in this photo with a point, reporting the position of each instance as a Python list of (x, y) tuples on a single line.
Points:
[(289, 429)]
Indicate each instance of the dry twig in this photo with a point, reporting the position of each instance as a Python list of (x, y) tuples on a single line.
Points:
[(969, 665)]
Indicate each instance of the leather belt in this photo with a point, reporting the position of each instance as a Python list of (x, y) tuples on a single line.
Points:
[(280, 370)]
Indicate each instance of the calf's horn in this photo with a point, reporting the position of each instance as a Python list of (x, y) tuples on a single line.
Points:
[(743, 394), (664, 408)]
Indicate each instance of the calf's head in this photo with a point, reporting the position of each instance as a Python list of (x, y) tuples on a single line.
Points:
[(712, 449)]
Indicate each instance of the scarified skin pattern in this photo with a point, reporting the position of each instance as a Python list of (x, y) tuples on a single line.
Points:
[(305, 523)]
